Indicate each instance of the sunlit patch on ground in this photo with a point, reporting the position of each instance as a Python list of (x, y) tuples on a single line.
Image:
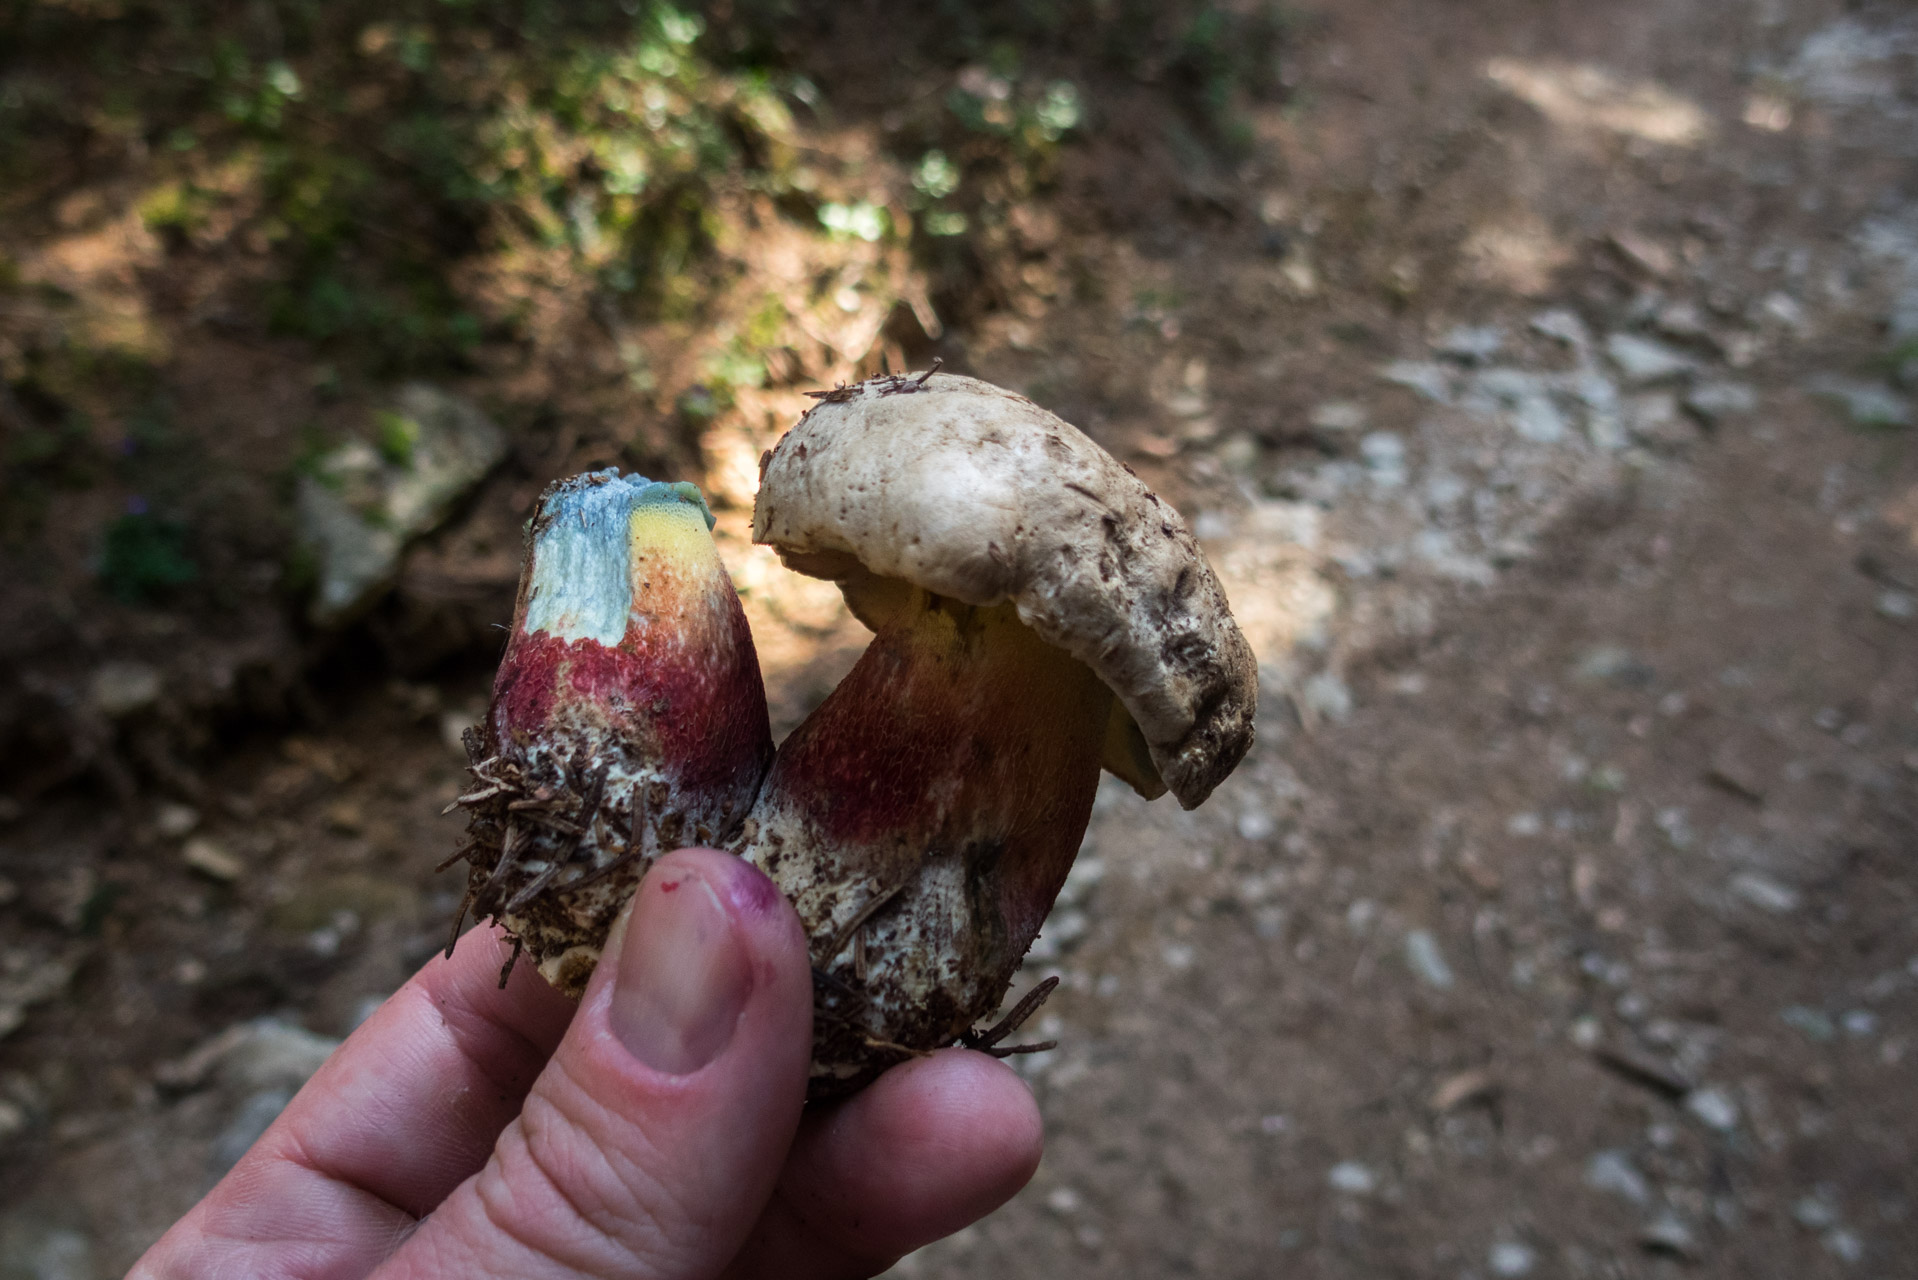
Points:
[(1583, 96)]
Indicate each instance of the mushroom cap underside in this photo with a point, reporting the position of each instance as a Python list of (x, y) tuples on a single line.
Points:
[(971, 491)]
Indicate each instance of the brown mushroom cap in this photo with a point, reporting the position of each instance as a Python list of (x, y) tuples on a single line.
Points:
[(973, 492)]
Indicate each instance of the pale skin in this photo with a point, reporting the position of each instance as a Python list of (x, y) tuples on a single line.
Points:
[(656, 1129)]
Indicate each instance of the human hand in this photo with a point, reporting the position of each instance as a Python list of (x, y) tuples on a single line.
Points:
[(654, 1130)]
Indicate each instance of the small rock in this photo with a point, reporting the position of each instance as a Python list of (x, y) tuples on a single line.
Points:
[(175, 820), (1561, 326), (1255, 825), (1511, 1258), (1433, 381), (1426, 961), (1613, 664), (1238, 453), (1765, 893), (1631, 1062), (1471, 344), (1899, 606), (364, 501), (1614, 1172), (1537, 419), (1455, 1091), (1352, 1178), (275, 1054), (1062, 930), (1383, 453), (1642, 361), (1681, 320), (1326, 697), (1843, 1244), (192, 1069), (266, 1053), (211, 859), (1902, 321), (1859, 1023), (1504, 385), (1525, 825), (1064, 1201), (1676, 826), (28, 979), (1785, 310), (1667, 1233), (13, 1119), (1337, 416), (1814, 1212), (1649, 256), (1713, 1108), (1810, 1022), (1653, 420), (122, 688), (1713, 402), (1870, 405)]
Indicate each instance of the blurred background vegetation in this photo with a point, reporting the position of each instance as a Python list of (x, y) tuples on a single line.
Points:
[(228, 229)]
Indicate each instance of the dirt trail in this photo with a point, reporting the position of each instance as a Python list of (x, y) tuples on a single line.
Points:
[(1536, 385)]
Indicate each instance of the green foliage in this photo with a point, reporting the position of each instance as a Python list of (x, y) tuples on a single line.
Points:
[(384, 145), (144, 557), (1021, 79)]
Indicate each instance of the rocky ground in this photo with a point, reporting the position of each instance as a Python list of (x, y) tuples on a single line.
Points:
[(1541, 386)]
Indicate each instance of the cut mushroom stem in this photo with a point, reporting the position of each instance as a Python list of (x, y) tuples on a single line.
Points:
[(1037, 614), (627, 717)]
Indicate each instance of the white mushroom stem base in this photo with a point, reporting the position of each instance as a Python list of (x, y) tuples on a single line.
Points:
[(923, 819)]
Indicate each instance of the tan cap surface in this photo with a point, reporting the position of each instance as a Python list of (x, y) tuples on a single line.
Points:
[(973, 492)]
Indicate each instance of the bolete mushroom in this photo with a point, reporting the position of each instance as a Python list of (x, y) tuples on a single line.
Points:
[(1037, 613), (627, 718)]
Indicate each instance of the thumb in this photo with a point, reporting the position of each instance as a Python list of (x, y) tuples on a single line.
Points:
[(651, 1142)]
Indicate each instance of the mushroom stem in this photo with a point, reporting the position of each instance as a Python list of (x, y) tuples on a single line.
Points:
[(627, 717), (949, 779)]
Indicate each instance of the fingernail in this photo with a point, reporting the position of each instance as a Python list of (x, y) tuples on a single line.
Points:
[(684, 975)]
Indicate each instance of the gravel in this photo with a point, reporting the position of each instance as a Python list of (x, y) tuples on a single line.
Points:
[(1643, 361), (1613, 1172), (1352, 1178)]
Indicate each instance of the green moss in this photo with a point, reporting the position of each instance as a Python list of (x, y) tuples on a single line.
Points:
[(396, 436)]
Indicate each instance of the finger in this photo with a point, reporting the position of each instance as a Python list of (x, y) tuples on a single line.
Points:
[(650, 1144), (931, 1146), (413, 1103), (407, 1109)]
